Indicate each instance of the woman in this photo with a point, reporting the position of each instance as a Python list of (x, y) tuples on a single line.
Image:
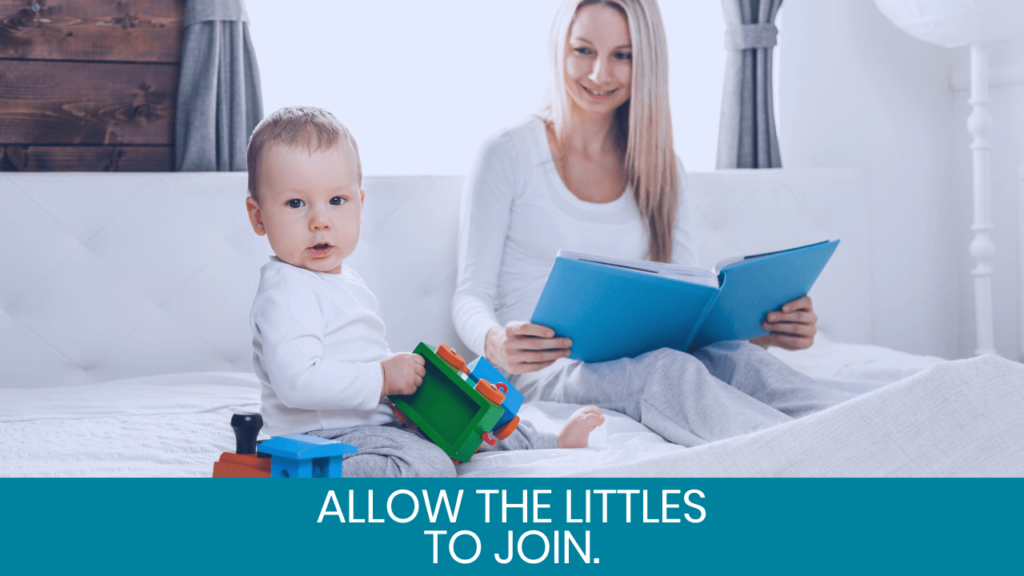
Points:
[(598, 174)]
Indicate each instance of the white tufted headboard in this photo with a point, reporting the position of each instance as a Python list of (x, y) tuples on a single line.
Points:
[(107, 276)]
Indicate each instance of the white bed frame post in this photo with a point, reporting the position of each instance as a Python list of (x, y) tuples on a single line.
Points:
[(982, 246), (1020, 262)]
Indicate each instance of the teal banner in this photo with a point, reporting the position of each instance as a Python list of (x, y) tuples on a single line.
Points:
[(599, 526)]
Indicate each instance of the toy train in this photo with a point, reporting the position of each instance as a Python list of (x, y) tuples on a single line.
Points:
[(459, 406), (292, 456)]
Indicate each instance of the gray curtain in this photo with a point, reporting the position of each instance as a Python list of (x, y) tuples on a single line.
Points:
[(746, 133), (219, 98)]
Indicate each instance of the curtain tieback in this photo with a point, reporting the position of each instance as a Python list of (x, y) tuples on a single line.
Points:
[(749, 36)]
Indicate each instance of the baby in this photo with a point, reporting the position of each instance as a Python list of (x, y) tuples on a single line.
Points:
[(318, 344)]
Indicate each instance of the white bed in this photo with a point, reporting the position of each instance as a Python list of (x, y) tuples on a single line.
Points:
[(176, 425), (124, 344)]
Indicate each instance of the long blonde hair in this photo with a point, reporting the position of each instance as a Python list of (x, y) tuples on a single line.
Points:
[(644, 122)]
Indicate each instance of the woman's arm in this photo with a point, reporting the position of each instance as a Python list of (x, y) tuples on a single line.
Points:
[(484, 218)]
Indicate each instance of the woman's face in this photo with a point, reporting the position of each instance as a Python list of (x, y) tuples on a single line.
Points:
[(599, 63)]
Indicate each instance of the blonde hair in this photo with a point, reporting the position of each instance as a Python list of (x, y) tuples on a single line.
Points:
[(644, 122), (312, 128)]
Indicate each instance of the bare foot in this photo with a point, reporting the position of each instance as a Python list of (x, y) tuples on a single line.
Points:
[(578, 427)]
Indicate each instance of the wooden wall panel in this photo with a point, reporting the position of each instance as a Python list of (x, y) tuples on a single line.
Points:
[(87, 103), (87, 158), (89, 84), (105, 30)]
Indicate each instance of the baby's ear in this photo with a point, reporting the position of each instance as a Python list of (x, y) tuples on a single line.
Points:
[(255, 216)]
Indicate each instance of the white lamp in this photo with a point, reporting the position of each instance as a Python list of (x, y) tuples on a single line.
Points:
[(952, 23)]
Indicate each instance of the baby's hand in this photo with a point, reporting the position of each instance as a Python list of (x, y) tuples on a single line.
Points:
[(403, 374)]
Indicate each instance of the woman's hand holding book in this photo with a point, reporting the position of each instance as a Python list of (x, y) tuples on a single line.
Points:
[(521, 347), (792, 328)]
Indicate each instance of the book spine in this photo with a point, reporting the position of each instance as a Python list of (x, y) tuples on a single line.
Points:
[(704, 315)]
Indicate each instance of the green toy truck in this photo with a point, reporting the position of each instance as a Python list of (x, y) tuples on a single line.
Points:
[(455, 412)]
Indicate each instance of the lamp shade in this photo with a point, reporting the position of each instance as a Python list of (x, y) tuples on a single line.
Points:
[(951, 23)]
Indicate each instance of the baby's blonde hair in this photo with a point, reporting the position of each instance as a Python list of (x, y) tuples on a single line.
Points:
[(310, 127)]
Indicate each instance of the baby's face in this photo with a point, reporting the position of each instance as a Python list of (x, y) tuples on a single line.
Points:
[(310, 206)]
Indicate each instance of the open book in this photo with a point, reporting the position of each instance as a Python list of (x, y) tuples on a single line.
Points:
[(614, 308)]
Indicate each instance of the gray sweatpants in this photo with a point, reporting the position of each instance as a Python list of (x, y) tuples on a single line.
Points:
[(396, 451), (720, 391)]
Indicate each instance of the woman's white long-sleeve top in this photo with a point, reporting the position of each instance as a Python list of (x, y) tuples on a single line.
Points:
[(516, 214)]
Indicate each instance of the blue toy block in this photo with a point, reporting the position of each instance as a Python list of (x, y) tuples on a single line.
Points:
[(302, 456), (482, 369)]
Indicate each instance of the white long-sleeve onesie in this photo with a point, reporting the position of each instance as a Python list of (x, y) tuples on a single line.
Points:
[(516, 214), (317, 347)]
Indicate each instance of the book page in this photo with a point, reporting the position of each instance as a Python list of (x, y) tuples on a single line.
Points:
[(728, 262), (677, 271), (737, 259)]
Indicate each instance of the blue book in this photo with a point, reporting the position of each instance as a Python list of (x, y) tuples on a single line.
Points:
[(614, 308)]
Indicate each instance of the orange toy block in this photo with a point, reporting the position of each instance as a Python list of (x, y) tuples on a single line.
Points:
[(233, 465)]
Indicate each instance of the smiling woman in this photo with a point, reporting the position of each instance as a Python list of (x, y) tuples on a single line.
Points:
[(596, 172), (598, 79), (598, 144), (598, 65)]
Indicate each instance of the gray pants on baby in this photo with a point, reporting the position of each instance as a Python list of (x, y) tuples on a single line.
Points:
[(720, 391), (396, 451)]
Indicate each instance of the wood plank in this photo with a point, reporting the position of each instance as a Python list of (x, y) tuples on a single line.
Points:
[(43, 102), (108, 30), (86, 158)]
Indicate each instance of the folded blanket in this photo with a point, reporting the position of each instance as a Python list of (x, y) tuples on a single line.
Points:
[(959, 418)]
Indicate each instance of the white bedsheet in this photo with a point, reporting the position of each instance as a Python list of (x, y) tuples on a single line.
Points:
[(165, 426), (856, 367), (177, 425)]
